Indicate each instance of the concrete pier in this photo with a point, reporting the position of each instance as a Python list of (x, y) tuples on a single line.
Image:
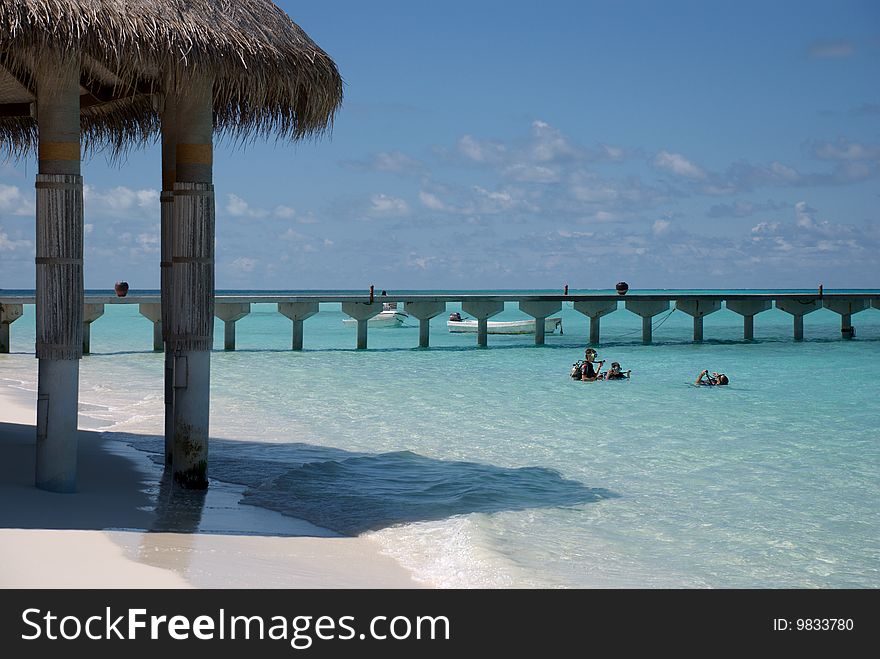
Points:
[(698, 308), (91, 313), (798, 308), (153, 311), (230, 313), (9, 313), (748, 309), (482, 310), (595, 309), (297, 312), (540, 311), (846, 308), (361, 312), (424, 311), (647, 309)]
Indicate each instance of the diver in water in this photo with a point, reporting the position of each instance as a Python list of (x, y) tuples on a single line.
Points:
[(614, 373), (589, 373), (714, 380)]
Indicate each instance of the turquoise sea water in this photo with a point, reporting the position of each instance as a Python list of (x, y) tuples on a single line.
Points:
[(491, 467)]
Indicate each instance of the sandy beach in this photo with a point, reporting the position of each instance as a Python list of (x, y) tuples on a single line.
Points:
[(125, 528)]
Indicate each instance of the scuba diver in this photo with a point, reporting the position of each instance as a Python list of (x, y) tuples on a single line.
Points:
[(714, 380)]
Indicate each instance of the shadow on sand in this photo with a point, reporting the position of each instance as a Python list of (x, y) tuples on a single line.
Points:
[(347, 492)]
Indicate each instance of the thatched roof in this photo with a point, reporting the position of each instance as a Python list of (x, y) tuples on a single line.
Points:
[(270, 77)]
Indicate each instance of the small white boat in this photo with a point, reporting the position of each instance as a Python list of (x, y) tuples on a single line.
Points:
[(390, 316), (526, 326)]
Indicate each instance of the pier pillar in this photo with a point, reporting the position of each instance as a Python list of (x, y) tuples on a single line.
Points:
[(192, 287), (698, 308), (798, 308), (361, 312), (9, 313), (482, 310), (59, 270), (91, 313), (540, 311), (647, 309), (424, 311), (297, 312), (230, 313), (153, 312), (846, 307), (595, 309), (748, 309)]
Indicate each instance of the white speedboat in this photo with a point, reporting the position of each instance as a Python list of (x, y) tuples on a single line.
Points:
[(526, 326), (390, 316)]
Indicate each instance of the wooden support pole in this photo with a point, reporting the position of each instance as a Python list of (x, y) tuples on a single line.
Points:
[(192, 259), (59, 285)]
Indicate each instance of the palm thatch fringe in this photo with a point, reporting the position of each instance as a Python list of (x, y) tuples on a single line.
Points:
[(271, 78)]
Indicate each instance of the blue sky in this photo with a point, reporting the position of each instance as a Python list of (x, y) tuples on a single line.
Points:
[(489, 144)]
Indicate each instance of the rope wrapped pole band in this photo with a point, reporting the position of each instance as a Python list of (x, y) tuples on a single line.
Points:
[(58, 150), (195, 154), (54, 185)]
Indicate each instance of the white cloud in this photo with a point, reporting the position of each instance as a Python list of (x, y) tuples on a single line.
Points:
[(238, 207), (832, 49), (660, 227), (678, 164), (382, 205), (290, 234), (121, 200), (432, 201), (14, 202), (243, 264), (549, 145), (481, 152), (527, 173), (284, 212), (8, 244), (846, 150)]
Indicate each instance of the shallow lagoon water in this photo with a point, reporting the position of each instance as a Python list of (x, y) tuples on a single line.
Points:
[(491, 467)]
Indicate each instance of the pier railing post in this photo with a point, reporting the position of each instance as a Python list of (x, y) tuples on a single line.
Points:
[(91, 313), (846, 307), (540, 311), (748, 309), (595, 309), (362, 312), (230, 313), (798, 308), (297, 312), (153, 311), (482, 309), (424, 311), (9, 313), (647, 309), (698, 308)]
